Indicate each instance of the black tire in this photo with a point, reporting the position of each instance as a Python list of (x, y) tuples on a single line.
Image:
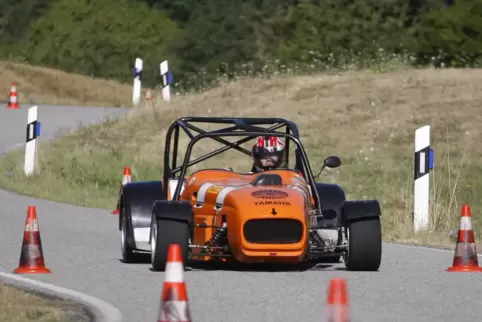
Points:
[(163, 233), (128, 254), (364, 245)]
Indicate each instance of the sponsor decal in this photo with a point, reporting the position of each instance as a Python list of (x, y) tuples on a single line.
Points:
[(272, 203), (215, 189), (269, 194), (201, 195)]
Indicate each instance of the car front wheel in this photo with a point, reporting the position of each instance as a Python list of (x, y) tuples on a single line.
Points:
[(163, 233), (364, 245)]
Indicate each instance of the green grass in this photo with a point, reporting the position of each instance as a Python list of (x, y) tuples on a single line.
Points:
[(366, 118)]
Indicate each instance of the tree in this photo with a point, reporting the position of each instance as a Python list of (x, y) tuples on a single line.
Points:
[(451, 35), (101, 38)]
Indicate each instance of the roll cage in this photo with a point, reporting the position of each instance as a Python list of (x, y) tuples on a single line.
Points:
[(249, 128)]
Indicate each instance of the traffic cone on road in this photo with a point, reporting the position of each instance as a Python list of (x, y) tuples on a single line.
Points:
[(126, 178), (174, 303), (12, 99), (465, 257), (31, 256), (337, 301), (148, 95)]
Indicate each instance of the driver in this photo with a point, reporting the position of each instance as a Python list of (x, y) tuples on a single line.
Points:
[(268, 153)]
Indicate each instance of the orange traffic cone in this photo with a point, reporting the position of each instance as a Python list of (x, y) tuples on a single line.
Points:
[(126, 178), (465, 257), (148, 95), (31, 256), (174, 302), (337, 310), (12, 99)]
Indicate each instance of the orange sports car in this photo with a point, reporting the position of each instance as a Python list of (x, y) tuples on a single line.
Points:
[(271, 215)]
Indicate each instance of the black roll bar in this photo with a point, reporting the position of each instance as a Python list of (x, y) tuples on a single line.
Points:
[(304, 159)]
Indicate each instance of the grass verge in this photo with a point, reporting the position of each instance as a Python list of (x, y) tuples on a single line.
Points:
[(41, 85), (367, 119), (17, 305)]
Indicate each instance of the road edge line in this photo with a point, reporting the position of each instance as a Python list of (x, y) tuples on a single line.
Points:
[(101, 310), (428, 248)]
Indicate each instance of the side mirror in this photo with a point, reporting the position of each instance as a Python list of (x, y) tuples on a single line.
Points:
[(332, 162)]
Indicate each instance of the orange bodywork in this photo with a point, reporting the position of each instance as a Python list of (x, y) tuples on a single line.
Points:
[(218, 194)]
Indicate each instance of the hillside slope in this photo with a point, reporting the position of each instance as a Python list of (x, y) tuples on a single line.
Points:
[(51, 86), (367, 119)]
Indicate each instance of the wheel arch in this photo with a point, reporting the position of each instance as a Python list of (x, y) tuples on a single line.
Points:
[(138, 198), (332, 197), (353, 210)]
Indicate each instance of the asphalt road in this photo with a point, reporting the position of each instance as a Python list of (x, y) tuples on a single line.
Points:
[(82, 248)]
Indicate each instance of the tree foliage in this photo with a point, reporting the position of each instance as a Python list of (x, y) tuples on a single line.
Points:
[(452, 36), (15, 18), (103, 37), (100, 38)]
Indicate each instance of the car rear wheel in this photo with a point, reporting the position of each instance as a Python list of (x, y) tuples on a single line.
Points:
[(128, 254), (163, 233), (364, 245)]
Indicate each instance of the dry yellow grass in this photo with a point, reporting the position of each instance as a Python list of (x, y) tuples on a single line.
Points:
[(19, 306), (50, 86), (367, 119)]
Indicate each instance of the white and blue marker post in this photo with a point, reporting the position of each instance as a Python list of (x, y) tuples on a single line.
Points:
[(137, 73), (166, 78), (33, 132), (423, 164)]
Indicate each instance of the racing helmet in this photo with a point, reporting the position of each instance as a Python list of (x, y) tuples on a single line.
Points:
[(268, 153)]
